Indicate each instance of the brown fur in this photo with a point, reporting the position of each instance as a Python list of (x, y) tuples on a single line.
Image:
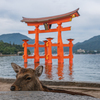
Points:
[(22, 82), (27, 80)]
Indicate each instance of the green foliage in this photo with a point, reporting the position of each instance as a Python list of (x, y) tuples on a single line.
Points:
[(6, 48), (16, 38), (28, 52), (21, 53)]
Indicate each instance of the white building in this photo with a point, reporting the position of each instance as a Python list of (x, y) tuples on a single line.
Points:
[(81, 51)]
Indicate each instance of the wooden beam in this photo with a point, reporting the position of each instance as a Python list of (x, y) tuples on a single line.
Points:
[(42, 56), (51, 30), (66, 28), (66, 45), (33, 24), (31, 45), (30, 57), (65, 57), (54, 57), (55, 44), (41, 45), (61, 20)]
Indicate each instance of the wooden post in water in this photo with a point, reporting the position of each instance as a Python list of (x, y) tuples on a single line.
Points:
[(70, 51), (60, 45), (25, 50), (46, 56), (49, 50), (36, 51)]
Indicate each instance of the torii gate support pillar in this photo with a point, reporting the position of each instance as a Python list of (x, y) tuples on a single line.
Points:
[(60, 45), (49, 50), (70, 51)]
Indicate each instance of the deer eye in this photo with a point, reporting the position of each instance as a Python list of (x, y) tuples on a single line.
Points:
[(28, 78)]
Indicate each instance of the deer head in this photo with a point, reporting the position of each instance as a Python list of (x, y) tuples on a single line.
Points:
[(27, 79)]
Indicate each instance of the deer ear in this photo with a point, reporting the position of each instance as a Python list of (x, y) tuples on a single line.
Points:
[(15, 67), (39, 71)]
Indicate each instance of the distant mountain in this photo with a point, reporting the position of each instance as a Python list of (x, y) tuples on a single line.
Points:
[(16, 38), (91, 44)]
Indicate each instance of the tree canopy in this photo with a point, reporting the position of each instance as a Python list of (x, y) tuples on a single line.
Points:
[(6, 48)]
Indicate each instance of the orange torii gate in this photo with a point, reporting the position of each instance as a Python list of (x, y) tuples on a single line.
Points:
[(47, 22)]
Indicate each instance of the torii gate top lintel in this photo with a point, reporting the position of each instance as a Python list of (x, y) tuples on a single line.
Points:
[(52, 19)]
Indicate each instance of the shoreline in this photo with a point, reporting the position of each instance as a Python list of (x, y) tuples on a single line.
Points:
[(54, 54), (89, 88), (9, 55), (58, 83)]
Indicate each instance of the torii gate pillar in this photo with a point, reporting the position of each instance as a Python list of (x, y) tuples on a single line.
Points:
[(36, 50), (60, 46)]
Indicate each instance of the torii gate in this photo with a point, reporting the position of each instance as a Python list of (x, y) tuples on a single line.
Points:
[(47, 22)]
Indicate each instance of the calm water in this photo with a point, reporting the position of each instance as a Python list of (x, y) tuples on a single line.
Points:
[(85, 68)]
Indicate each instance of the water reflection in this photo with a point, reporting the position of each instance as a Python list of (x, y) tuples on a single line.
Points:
[(36, 65), (71, 71), (60, 71), (85, 68), (25, 65), (48, 70)]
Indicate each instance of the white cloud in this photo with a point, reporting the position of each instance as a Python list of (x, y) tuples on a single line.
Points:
[(83, 27)]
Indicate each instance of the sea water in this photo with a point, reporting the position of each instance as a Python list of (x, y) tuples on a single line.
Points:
[(86, 67)]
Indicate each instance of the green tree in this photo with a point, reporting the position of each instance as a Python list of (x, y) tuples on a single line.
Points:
[(6, 48)]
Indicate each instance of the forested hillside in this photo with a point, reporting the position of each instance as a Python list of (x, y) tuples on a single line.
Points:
[(6, 48), (16, 39), (90, 44)]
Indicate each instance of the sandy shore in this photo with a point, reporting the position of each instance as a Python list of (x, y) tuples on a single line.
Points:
[(5, 86), (92, 89)]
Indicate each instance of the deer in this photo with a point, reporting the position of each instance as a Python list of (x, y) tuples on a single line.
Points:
[(27, 79)]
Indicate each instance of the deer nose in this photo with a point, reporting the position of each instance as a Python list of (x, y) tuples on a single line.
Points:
[(12, 88)]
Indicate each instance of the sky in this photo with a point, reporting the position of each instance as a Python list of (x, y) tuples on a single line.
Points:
[(83, 27)]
